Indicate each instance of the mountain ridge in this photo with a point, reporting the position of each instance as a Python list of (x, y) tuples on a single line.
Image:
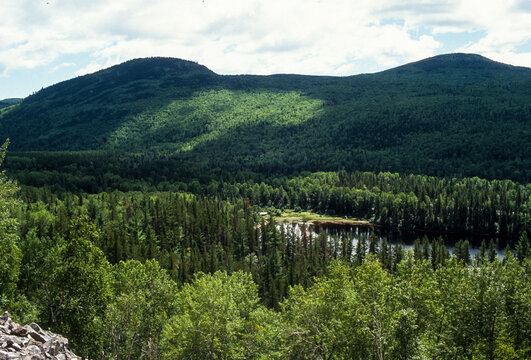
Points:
[(9, 102), (461, 59), (165, 65), (443, 116)]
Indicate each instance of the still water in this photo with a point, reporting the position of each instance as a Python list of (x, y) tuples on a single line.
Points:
[(338, 232)]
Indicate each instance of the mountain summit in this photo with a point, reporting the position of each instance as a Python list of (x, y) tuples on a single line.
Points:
[(456, 114), (456, 62), (154, 66)]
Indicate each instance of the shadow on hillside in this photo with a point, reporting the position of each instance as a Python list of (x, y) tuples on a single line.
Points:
[(443, 123)]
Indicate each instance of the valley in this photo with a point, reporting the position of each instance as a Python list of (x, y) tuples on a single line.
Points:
[(296, 216)]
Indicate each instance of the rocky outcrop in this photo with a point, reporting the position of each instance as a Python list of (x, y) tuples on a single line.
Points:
[(30, 342)]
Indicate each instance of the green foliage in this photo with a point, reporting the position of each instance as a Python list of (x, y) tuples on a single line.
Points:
[(496, 207), (321, 318), (376, 308), (143, 300), (515, 333), (523, 247), (216, 319), (416, 292), (208, 115), (9, 102), (76, 288), (453, 312), (10, 254), (200, 155), (291, 295), (419, 118)]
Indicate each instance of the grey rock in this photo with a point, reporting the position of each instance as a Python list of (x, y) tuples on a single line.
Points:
[(37, 336), (4, 329), (33, 349), (35, 327), (19, 331), (33, 357), (30, 342), (4, 317), (14, 346)]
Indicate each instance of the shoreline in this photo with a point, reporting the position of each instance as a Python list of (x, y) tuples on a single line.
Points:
[(314, 219), (311, 218)]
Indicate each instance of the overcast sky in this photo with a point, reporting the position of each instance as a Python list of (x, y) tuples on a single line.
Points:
[(46, 41)]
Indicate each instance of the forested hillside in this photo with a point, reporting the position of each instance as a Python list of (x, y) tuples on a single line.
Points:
[(451, 115), (142, 225), (166, 275), (9, 102)]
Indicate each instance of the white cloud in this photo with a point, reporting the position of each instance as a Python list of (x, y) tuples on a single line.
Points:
[(91, 68), (249, 36), (520, 59), (63, 65)]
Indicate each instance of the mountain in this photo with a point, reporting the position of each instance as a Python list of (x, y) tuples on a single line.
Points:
[(8, 102), (449, 115), (458, 61)]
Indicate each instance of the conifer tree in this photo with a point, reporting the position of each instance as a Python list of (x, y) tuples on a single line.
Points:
[(523, 248), (492, 251)]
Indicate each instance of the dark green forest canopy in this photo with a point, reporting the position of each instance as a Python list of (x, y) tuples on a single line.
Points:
[(198, 156), (451, 115), (125, 273), (463, 205), (9, 102)]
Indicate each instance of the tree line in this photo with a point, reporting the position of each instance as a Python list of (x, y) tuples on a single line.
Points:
[(172, 274), (407, 201), (166, 275)]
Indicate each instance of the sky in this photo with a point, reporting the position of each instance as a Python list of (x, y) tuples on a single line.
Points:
[(43, 42)]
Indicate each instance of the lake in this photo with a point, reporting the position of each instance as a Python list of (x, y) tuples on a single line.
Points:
[(406, 238)]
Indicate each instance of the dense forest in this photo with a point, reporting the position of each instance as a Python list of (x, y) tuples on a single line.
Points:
[(451, 115), (138, 204), (461, 205), (196, 272), (9, 102)]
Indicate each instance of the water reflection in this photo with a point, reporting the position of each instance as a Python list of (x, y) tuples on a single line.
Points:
[(337, 233)]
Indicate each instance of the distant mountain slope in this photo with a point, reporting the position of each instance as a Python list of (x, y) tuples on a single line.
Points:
[(456, 114), (457, 61), (8, 102)]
